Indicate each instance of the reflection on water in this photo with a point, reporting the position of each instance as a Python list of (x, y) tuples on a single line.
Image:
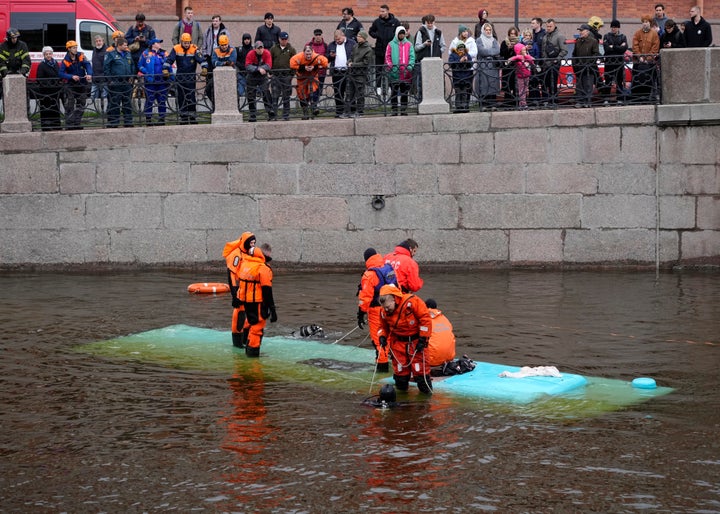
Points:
[(86, 433)]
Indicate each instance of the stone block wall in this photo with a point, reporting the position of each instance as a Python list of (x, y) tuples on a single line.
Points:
[(555, 188)]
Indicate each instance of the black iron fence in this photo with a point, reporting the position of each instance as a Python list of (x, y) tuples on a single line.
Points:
[(497, 84), (118, 101), (488, 84)]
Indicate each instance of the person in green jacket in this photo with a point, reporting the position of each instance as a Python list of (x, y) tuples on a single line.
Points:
[(361, 59)]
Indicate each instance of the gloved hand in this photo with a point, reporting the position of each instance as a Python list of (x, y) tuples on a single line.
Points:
[(421, 344), (236, 302), (383, 341), (361, 319), (203, 72), (166, 73), (273, 314)]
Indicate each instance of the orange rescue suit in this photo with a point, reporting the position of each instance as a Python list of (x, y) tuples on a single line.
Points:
[(307, 81), (255, 275), (409, 321), (441, 348), (233, 253), (367, 302)]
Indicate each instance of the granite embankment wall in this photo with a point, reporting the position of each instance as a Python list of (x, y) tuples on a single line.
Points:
[(604, 185), (626, 185)]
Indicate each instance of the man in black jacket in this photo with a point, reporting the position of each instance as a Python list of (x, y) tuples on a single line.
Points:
[(383, 31), (339, 54), (349, 24), (99, 87), (698, 32), (268, 32)]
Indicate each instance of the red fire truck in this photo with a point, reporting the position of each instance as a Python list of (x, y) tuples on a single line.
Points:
[(54, 22)]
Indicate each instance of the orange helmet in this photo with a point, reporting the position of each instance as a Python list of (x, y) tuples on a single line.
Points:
[(223, 40), (70, 44), (117, 34), (186, 37)]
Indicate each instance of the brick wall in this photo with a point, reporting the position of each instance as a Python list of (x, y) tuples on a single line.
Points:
[(367, 11)]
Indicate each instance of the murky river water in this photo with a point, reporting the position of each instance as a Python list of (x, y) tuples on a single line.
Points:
[(80, 433)]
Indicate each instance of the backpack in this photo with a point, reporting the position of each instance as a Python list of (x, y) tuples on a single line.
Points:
[(386, 275)]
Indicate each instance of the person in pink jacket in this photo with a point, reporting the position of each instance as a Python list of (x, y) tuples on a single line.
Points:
[(399, 62), (407, 270), (523, 69)]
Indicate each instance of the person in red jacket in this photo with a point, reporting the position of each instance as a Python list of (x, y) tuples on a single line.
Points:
[(233, 253), (406, 328), (377, 274), (406, 269)]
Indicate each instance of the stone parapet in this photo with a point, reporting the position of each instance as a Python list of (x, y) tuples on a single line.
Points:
[(509, 193)]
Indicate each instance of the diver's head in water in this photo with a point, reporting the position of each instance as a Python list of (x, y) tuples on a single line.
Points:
[(387, 394), (385, 400)]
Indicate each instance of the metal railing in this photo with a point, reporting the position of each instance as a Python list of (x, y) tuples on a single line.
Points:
[(490, 84), (337, 93), (118, 101)]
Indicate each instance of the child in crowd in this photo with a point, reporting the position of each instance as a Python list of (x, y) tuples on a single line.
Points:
[(523, 69)]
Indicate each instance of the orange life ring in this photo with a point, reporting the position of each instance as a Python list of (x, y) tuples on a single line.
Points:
[(208, 288)]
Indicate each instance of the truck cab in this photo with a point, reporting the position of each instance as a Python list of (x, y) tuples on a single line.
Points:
[(54, 22)]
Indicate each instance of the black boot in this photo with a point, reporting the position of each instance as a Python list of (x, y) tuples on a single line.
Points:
[(238, 340), (383, 367), (424, 384), (402, 382), (252, 352)]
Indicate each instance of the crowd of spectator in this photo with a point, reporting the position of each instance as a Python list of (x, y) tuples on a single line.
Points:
[(520, 70)]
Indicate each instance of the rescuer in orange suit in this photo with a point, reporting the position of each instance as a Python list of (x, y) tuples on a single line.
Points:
[(233, 254), (406, 328), (441, 347), (406, 269), (255, 291), (377, 274)]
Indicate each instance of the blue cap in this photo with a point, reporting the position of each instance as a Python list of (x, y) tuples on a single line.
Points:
[(284, 35), (154, 40)]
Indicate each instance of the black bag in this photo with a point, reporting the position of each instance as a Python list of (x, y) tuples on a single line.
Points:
[(456, 367), (551, 50)]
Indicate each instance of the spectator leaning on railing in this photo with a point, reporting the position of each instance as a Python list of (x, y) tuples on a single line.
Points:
[(552, 51), (615, 45), (645, 47), (186, 57), (157, 85), (119, 70), (49, 89), (14, 55), (585, 54), (76, 72)]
